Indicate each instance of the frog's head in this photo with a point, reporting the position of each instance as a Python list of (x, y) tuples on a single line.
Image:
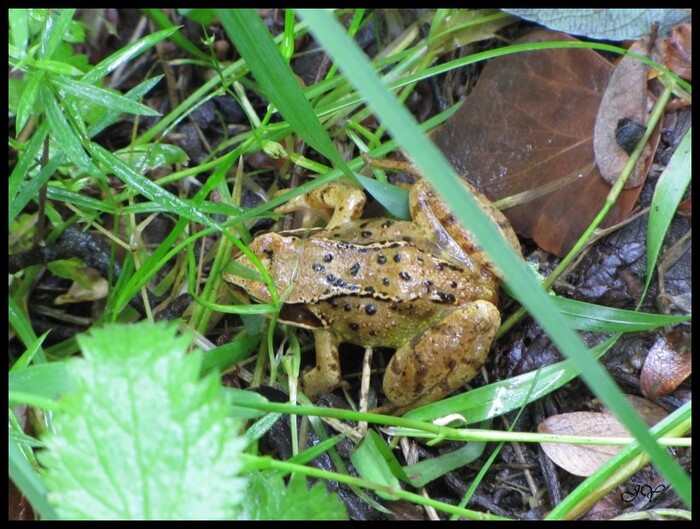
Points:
[(275, 253)]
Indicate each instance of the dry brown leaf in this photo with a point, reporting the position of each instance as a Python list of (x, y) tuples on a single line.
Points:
[(584, 460), (97, 288), (529, 122), (625, 97), (647, 410), (675, 51), (581, 460), (664, 369)]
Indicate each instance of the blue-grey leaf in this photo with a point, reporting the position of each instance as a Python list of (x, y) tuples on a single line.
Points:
[(608, 24)]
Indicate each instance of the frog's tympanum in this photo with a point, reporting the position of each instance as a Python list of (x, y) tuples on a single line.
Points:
[(422, 287)]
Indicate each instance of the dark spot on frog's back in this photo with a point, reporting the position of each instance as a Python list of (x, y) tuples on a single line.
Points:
[(381, 259), (371, 309), (354, 269), (328, 258), (353, 326), (318, 267), (445, 298), (386, 224), (338, 282), (397, 258), (405, 276), (366, 234)]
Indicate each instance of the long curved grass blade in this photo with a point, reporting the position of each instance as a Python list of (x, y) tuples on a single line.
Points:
[(102, 97), (597, 318), (62, 132), (277, 80), (19, 174), (522, 282), (146, 187), (124, 55), (668, 193)]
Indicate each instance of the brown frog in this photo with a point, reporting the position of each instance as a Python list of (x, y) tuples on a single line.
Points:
[(422, 287)]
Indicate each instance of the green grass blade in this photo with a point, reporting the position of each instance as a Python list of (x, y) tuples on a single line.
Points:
[(124, 55), (23, 475), (62, 132), (668, 193), (56, 28), (134, 94), (27, 103), (20, 173), (18, 20), (522, 281), (501, 397), (29, 190), (161, 20), (146, 187), (277, 80), (102, 97), (597, 318)]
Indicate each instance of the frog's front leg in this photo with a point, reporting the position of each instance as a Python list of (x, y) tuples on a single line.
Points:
[(443, 358), (340, 202), (325, 376)]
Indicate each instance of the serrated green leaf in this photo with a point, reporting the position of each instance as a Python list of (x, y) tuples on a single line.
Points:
[(608, 24), (269, 499), (142, 437)]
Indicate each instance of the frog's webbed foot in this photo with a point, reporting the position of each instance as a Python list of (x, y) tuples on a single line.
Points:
[(443, 358), (339, 202)]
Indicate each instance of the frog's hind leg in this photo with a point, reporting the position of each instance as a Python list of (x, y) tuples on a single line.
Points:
[(339, 202), (325, 376), (443, 358)]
